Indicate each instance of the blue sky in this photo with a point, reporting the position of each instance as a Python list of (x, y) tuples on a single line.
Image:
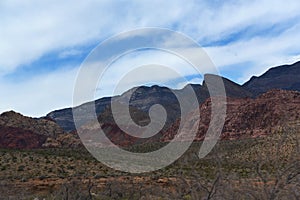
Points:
[(43, 43)]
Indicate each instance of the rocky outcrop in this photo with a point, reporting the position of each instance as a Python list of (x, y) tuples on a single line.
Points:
[(44, 127), (261, 116), (18, 131), (18, 138), (248, 117), (245, 118)]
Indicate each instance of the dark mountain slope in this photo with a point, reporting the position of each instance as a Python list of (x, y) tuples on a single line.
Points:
[(142, 98), (64, 117), (286, 77)]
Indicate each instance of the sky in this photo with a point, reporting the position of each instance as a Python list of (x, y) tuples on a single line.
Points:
[(43, 43)]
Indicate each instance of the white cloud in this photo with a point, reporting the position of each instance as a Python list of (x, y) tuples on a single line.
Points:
[(217, 21), (138, 68), (262, 52), (69, 53), (32, 29), (40, 94)]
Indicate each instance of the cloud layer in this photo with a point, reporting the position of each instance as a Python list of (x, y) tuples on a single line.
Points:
[(47, 36)]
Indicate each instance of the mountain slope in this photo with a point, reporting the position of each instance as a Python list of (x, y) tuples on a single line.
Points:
[(64, 117), (45, 127), (245, 118), (142, 98), (18, 131), (285, 77), (12, 137), (248, 117)]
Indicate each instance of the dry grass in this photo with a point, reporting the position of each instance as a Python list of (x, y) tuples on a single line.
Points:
[(261, 168)]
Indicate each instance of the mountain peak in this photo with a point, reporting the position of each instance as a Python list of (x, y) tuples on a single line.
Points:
[(11, 113)]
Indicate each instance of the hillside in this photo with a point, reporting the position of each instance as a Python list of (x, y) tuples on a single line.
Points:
[(144, 97), (21, 132), (250, 118), (245, 118), (286, 77)]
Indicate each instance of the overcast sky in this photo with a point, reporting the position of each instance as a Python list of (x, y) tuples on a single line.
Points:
[(43, 43)]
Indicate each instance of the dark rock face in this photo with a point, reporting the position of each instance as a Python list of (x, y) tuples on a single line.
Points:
[(286, 77), (235, 90), (64, 117), (144, 97)]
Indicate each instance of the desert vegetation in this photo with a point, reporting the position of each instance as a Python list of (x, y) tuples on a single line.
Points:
[(255, 168)]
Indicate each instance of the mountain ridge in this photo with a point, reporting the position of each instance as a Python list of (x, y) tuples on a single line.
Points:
[(258, 98), (146, 96), (252, 88), (281, 77)]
